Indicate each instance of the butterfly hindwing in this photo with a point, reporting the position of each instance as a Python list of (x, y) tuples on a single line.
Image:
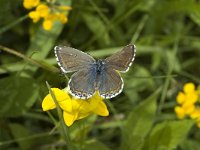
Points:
[(123, 59), (71, 60), (110, 83), (82, 83)]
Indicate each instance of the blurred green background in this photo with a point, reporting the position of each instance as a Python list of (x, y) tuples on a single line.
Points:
[(167, 36)]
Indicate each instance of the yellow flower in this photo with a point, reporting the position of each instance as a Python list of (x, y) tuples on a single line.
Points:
[(180, 98), (35, 16), (195, 114), (48, 11), (28, 4), (73, 108), (43, 10), (62, 17), (188, 108), (189, 87), (47, 24), (180, 112), (187, 101)]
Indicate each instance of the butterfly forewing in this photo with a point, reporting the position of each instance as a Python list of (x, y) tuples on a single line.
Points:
[(122, 60), (70, 59), (110, 83)]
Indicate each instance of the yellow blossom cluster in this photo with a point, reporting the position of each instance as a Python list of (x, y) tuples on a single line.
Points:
[(48, 12), (73, 108), (188, 103)]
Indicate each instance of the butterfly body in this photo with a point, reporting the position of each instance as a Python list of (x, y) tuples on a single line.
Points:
[(94, 75)]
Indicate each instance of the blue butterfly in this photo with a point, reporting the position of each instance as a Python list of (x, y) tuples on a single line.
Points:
[(92, 75)]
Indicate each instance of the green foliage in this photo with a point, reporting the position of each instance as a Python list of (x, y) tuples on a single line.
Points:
[(166, 34), (136, 128), (91, 145), (17, 94), (167, 135), (19, 131)]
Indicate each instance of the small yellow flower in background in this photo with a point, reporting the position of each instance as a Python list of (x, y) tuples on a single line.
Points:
[(43, 10), (180, 112), (28, 4), (47, 11), (62, 18), (35, 16), (188, 103), (47, 24), (73, 108)]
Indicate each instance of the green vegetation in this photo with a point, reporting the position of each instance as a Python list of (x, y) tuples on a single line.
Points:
[(167, 36)]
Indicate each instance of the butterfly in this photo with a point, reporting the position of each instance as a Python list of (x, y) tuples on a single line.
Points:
[(90, 75)]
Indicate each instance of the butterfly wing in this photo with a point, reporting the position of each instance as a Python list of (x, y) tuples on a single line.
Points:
[(122, 60), (110, 83), (71, 60), (82, 83)]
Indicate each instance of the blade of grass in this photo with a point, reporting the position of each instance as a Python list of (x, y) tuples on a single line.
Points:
[(139, 28), (170, 69), (64, 128), (28, 59), (12, 24), (99, 11), (3, 143)]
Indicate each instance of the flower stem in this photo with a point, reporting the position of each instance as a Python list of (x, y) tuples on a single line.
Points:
[(12, 24), (64, 128), (28, 59)]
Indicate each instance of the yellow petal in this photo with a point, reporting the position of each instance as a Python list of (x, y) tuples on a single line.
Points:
[(28, 4), (69, 118), (86, 106), (195, 114), (180, 112), (63, 18), (51, 17), (192, 97), (43, 10), (34, 15), (47, 25), (180, 98), (63, 100), (189, 87), (101, 109), (188, 108), (81, 115)]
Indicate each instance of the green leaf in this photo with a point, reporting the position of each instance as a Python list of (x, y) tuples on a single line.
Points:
[(139, 123), (190, 144), (167, 135), (19, 131), (94, 144), (17, 94)]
